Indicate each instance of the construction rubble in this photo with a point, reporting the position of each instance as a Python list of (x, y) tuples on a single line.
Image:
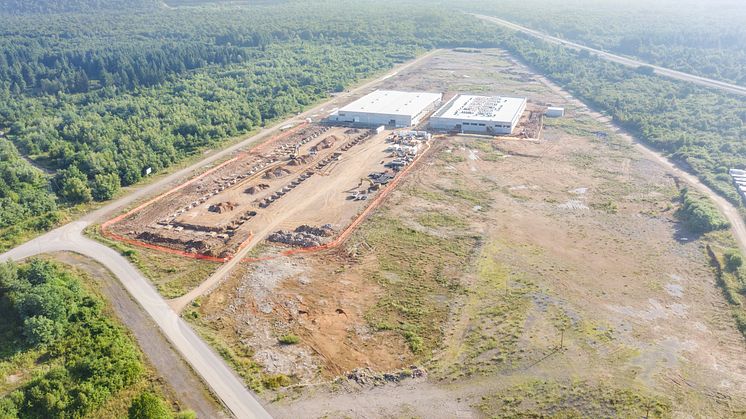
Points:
[(368, 377), (303, 236)]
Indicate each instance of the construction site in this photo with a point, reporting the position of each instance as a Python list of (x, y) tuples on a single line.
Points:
[(456, 268), (307, 185), (300, 189)]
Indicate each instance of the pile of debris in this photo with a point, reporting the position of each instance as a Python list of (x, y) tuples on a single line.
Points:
[(299, 160), (367, 377), (275, 173), (381, 178), (324, 231), (303, 236), (190, 245), (295, 239), (324, 144), (254, 189), (222, 207)]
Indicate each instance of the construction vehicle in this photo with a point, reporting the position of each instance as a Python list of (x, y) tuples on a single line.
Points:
[(296, 151)]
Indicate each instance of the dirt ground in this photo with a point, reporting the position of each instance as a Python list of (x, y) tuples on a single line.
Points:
[(561, 284), (303, 178)]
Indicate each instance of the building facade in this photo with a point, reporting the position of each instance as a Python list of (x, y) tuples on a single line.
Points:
[(388, 107), (479, 114)]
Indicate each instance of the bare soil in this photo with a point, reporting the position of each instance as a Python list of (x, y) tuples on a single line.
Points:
[(303, 178), (578, 276)]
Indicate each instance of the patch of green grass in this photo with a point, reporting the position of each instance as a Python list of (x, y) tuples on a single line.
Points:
[(451, 156), (418, 273), (238, 356), (578, 399), (582, 126), (173, 276), (731, 280), (497, 307), (582, 160), (289, 339), (428, 195), (471, 196), (484, 146), (440, 219), (609, 207)]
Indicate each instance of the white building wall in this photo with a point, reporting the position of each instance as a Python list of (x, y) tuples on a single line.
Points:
[(476, 126), (363, 118), (470, 125), (409, 109)]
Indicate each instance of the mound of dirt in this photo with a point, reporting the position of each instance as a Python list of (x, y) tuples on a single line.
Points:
[(276, 172), (222, 207)]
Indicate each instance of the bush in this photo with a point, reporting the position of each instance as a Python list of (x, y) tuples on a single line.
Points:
[(40, 330), (148, 406), (289, 339), (733, 260), (186, 414), (698, 213), (276, 381)]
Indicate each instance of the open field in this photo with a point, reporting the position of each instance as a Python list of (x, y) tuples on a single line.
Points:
[(526, 276)]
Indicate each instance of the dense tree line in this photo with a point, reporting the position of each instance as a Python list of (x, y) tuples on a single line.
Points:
[(47, 312), (48, 54), (706, 38), (68, 6), (27, 203), (100, 98)]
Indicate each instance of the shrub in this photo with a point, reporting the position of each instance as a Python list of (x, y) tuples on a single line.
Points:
[(289, 339), (276, 381), (148, 406), (698, 213), (733, 260)]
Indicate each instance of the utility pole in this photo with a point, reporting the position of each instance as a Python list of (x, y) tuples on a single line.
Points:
[(562, 337)]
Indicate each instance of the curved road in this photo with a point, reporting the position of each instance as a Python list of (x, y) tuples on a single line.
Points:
[(738, 225), (667, 72), (220, 378)]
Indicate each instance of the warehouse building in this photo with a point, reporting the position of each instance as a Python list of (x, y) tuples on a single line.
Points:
[(479, 114), (388, 107)]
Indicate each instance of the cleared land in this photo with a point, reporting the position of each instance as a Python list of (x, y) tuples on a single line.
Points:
[(527, 277), (314, 177)]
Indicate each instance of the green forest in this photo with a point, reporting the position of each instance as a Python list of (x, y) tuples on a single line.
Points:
[(93, 94), (73, 357), (96, 99), (706, 38)]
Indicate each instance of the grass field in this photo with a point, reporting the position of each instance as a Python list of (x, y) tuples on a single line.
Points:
[(173, 276)]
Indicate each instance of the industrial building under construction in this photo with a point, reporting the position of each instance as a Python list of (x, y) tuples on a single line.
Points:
[(479, 114), (388, 107)]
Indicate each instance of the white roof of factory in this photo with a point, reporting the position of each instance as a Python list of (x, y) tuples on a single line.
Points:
[(481, 108), (392, 102)]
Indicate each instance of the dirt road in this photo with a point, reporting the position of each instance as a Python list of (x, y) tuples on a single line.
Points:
[(629, 62), (187, 387), (738, 226), (220, 378)]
